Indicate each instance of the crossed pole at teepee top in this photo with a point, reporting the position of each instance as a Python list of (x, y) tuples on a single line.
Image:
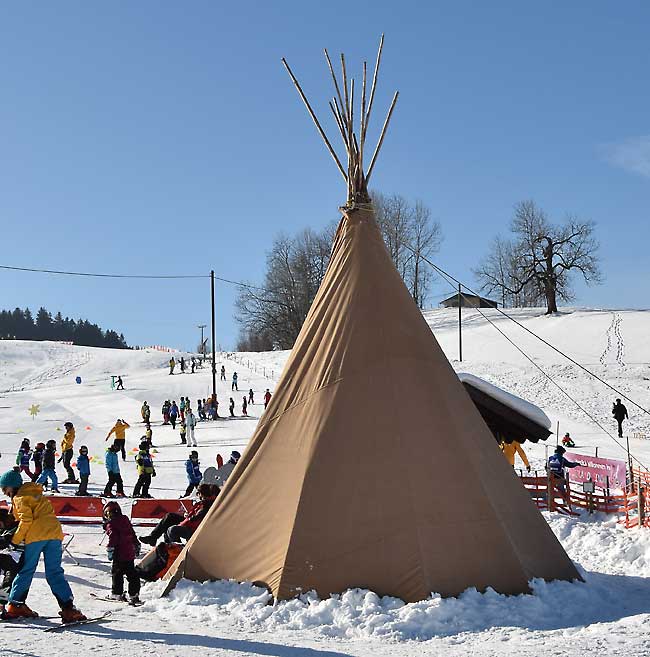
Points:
[(342, 107)]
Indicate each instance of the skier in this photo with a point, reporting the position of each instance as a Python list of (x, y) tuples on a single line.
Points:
[(223, 372), (181, 408), (148, 435), (231, 407), (9, 561), (172, 365), (510, 450), (556, 465), (113, 471), (67, 453), (83, 466), (244, 407), (224, 471), (122, 549), (145, 472), (251, 400), (193, 367), (120, 436), (173, 414), (620, 413), (120, 383), (40, 531), (267, 398), (174, 526), (23, 457), (567, 441), (193, 470), (183, 432), (190, 422), (49, 467), (199, 409), (182, 365), (234, 382), (37, 457), (165, 411), (145, 411)]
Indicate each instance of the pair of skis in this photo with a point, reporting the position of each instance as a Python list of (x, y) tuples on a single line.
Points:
[(36, 622)]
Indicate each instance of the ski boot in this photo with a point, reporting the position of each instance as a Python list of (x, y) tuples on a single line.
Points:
[(70, 614), (15, 610)]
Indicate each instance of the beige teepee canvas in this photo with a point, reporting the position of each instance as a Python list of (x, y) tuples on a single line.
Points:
[(371, 467)]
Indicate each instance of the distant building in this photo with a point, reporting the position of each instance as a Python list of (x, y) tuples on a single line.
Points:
[(468, 301)]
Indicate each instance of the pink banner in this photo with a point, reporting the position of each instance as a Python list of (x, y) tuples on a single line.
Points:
[(598, 470)]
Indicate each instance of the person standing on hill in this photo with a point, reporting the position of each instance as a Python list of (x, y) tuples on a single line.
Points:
[(181, 408), (37, 457), (120, 436), (190, 422), (173, 414), (234, 382), (244, 407), (145, 411), (620, 413), (251, 399), (83, 466), (40, 532), (267, 398), (146, 470), (172, 365), (120, 383), (231, 407), (67, 452), (165, 411), (23, 458), (223, 372), (193, 471), (193, 365), (49, 466), (113, 471), (182, 365)]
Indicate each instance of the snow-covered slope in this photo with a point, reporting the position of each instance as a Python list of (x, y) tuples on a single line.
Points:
[(607, 614)]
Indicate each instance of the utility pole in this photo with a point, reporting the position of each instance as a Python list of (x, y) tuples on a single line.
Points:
[(202, 326), (460, 323), (214, 358)]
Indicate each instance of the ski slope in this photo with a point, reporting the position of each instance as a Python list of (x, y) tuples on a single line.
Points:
[(609, 613)]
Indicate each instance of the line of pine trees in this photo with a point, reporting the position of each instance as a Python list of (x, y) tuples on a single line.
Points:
[(20, 325)]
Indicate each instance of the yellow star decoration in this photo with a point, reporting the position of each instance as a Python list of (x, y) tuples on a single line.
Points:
[(34, 409)]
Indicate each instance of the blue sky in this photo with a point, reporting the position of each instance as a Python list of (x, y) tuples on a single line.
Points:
[(166, 138)]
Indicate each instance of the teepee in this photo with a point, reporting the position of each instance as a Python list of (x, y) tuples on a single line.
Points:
[(371, 466)]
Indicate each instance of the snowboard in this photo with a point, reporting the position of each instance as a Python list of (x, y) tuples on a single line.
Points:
[(66, 626)]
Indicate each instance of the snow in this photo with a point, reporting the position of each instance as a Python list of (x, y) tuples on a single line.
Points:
[(608, 613), (518, 404)]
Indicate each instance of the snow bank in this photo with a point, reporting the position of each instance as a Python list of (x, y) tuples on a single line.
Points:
[(603, 597)]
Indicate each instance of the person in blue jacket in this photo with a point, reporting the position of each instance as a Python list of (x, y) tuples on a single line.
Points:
[(113, 470), (556, 465), (193, 470), (83, 466)]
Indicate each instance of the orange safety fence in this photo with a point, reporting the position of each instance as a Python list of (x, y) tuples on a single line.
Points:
[(637, 500)]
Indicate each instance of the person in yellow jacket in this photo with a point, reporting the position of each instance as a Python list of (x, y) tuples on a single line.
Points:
[(120, 436), (39, 532), (67, 452), (510, 450)]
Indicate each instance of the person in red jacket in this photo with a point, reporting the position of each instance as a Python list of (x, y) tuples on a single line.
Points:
[(267, 398), (175, 527), (123, 547)]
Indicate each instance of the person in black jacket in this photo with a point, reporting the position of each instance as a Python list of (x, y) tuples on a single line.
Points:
[(9, 564), (620, 413)]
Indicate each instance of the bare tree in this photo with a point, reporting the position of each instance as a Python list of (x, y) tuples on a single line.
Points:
[(537, 263)]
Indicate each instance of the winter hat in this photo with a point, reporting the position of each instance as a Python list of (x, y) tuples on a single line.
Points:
[(11, 479), (235, 456), (194, 453), (560, 450), (144, 446), (51, 444), (40, 446)]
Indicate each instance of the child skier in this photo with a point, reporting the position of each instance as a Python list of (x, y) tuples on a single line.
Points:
[(49, 467), (113, 470), (67, 452), (251, 399), (181, 408), (267, 398), (40, 531), (223, 373), (145, 411), (190, 422), (183, 432), (123, 547), (567, 441), (234, 382), (37, 457), (231, 407), (83, 466), (9, 560), (145, 472), (23, 458), (244, 407), (165, 411), (193, 470)]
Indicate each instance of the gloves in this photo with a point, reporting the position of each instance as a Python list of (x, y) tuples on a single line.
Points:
[(109, 553)]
